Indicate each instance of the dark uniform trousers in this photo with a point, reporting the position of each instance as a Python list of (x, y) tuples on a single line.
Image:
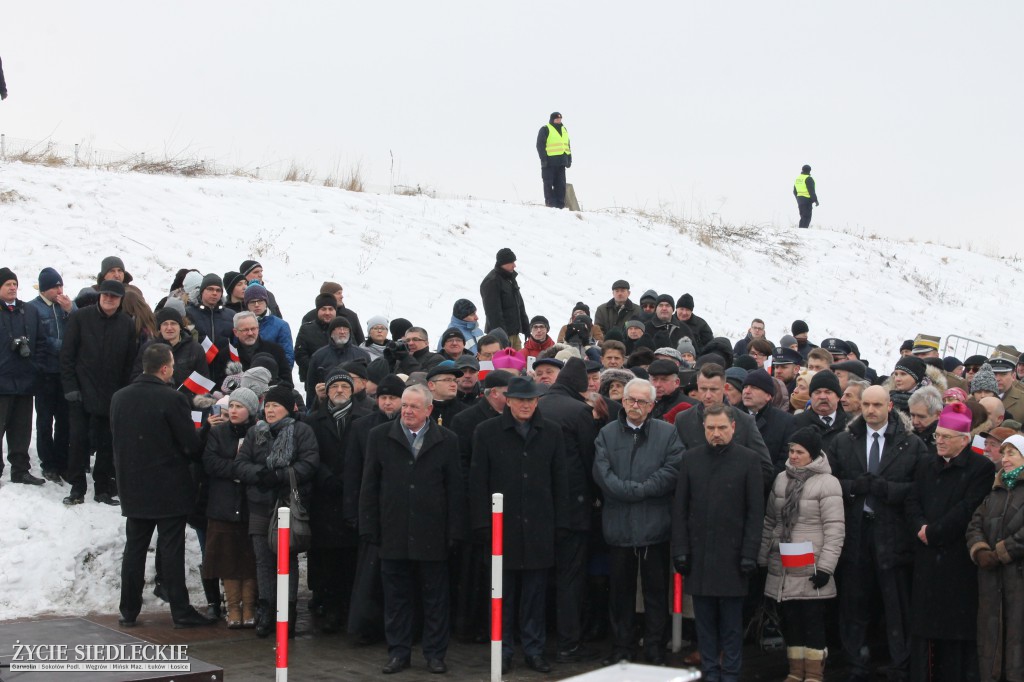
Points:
[(401, 581), (554, 186), (805, 205), (571, 585)]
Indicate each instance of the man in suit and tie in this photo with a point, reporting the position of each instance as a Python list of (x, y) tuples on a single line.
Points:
[(875, 460), (826, 415)]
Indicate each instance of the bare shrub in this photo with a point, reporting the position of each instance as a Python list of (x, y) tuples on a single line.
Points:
[(10, 196), (353, 180), (297, 173)]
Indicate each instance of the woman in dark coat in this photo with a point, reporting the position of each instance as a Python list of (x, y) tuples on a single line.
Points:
[(995, 538), (229, 552), (272, 448)]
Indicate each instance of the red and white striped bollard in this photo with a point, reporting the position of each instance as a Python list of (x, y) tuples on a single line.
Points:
[(284, 520), (497, 544)]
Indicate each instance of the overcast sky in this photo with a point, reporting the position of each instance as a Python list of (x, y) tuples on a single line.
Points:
[(908, 112)]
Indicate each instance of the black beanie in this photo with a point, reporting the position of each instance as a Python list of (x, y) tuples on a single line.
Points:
[(825, 379), (553, 116), (231, 279), (339, 321), (463, 308), (6, 275), (685, 301), (540, 319), (573, 375), (248, 266), (799, 327), (283, 396), (504, 257), (267, 361), (759, 378), (324, 300), (391, 385), (913, 366), (398, 327), (665, 298), (808, 438), (580, 305), (168, 314), (211, 280)]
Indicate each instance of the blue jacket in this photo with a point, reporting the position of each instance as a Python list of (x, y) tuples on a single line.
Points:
[(18, 374), (471, 331), (54, 320), (277, 330)]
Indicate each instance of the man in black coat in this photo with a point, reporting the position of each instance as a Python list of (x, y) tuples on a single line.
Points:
[(503, 304), (669, 394), (337, 292), (522, 455), (876, 558), (338, 351), (717, 518), (774, 425), (825, 414), (663, 328), (555, 156), (213, 321), (618, 310), (711, 392), (564, 405), (947, 489), (313, 335), (412, 504), (95, 361), (154, 442), (441, 381), (702, 333), (247, 331)]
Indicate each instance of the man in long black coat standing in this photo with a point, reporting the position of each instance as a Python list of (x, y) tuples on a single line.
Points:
[(947, 489), (154, 441), (717, 518), (412, 505), (503, 304)]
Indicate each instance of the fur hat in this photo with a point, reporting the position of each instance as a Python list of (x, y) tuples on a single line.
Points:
[(624, 376)]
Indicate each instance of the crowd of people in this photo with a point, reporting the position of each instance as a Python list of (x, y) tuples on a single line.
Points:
[(789, 483)]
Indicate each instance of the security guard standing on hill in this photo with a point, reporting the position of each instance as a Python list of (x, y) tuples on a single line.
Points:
[(555, 157), (803, 190)]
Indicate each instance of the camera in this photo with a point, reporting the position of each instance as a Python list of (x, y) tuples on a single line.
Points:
[(21, 346)]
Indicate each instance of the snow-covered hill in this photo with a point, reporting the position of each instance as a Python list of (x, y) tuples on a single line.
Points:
[(413, 257)]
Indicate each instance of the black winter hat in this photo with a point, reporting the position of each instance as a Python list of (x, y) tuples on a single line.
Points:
[(283, 396), (573, 375), (398, 327), (649, 295), (112, 287), (825, 379), (357, 368), (759, 378), (339, 374), (463, 308), (907, 345), (553, 116), (109, 263), (685, 301), (806, 168), (540, 319), (6, 275), (662, 368), (913, 366), (392, 385), (339, 321), (211, 280), (48, 279), (452, 333), (231, 280), (166, 314), (809, 439), (976, 361), (951, 362), (266, 361), (580, 305), (504, 257), (324, 300), (855, 367), (799, 327), (665, 298), (248, 266), (496, 379), (745, 362), (377, 370)]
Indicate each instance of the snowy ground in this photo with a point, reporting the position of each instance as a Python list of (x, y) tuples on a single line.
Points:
[(413, 257)]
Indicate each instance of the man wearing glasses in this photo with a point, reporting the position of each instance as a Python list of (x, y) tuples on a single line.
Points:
[(636, 465)]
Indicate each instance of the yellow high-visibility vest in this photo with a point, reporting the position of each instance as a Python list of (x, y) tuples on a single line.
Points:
[(801, 185), (558, 143)]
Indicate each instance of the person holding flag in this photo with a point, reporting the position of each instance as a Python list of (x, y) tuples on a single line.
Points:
[(804, 529), (189, 356)]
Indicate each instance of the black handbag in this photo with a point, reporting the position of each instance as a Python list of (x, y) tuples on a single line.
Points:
[(301, 535)]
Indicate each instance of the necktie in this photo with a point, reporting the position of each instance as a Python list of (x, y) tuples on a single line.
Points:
[(874, 458), (828, 421)]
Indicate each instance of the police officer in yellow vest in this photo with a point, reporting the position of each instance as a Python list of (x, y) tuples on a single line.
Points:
[(803, 190), (555, 157)]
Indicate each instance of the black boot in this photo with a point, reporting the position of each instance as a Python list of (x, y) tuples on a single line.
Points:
[(211, 586), (293, 614), (264, 618)]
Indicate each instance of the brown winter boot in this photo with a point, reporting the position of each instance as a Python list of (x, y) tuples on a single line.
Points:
[(249, 603), (233, 597), (796, 663), (814, 664)]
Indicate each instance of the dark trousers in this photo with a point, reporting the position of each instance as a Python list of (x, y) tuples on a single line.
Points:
[(719, 622), (862, 585), (170, 540), (52, 424), (805, 205), (402, 579), (571, 586), (554, 186), (330, 573), (943, 660), (473, 592), (803, 622), (652, 562), (530, 587), (90, 432), (16, 426)]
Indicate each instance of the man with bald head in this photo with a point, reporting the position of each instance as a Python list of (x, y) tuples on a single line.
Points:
[(875, 459), (996, 410)]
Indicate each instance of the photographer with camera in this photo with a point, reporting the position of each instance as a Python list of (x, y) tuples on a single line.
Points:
[(19, 359)]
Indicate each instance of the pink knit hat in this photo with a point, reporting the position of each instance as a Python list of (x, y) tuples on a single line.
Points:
[(956, 392), (956, 417)]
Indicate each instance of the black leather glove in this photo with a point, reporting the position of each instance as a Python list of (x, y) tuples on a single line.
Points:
[(861, 485), (266, 481), (568, 162), (73, 396), (820, 579), (747, 567), (682, 564), (879, 487)]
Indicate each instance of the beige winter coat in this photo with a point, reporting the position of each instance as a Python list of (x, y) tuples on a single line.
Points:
[(820, 520)]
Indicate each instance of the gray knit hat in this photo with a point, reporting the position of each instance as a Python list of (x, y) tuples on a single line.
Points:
[(985, 380), (257, 380), (247, 399), (685, 345)]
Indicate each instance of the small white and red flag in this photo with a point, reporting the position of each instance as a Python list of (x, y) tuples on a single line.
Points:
[(210, 349), (796, 554), (198, 384), (485, 367), (232, 353), (978, 445), (197, 419)]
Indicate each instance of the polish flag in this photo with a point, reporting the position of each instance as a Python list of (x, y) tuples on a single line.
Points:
[(796, 554), (768, 364), (485, 367), (210, 349), (198, 384), (197, 419), (232, 353), (978, 445)]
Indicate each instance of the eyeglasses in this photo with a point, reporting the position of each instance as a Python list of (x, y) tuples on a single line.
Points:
[(415, 338), (946, 436), (639, 402), (378, 328), (446, 380), (538, 326)]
